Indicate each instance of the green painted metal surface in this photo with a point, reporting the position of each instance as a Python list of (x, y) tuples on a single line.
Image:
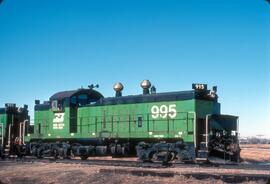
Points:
[(173, 119), (3, 121), (204, 107)]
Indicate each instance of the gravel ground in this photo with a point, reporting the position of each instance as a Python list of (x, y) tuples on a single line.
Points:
[(25, 173), (34, 173)]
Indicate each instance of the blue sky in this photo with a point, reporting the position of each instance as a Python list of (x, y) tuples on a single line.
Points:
[(48, 46)]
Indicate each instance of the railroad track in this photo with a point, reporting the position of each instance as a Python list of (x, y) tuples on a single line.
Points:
[(139, 164), (100, 162)]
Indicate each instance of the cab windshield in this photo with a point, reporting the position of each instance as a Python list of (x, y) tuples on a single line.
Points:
[(82, 100)]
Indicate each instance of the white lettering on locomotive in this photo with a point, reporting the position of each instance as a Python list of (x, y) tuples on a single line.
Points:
[(58, 121), (164, 111)]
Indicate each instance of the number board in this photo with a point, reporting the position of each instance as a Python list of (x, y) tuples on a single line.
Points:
[(199, 87)]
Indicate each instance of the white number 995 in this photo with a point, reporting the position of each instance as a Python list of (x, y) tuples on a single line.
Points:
[(164, 111)]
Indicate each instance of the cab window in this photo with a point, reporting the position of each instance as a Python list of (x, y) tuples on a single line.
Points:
[(82, 100), (54, 105), (57, 105), (73, 100), (92, 101)]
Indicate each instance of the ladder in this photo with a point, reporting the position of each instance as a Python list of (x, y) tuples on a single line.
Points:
[(203, 152), (22, 131)]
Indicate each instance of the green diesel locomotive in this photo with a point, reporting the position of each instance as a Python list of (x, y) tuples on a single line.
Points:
[(186, 126)]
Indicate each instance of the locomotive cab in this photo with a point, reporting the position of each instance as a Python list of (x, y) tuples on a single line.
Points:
[(59, 116), (73, 100)]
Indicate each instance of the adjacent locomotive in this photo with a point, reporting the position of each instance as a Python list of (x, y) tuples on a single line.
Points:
[(186, 126), (14, 126)]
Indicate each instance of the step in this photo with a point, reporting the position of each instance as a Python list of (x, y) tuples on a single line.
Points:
[(202, 154), (203, 146), (201, 159), (203, 151)]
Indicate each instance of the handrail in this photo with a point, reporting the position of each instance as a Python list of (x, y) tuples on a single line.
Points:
[(122, 115), (206, 129), (113, 121), (23, 137), (194, 128), (9, 134), (2, 133), (20, 132)]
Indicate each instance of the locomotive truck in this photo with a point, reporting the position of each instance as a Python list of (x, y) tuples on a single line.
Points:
[(185, 126)]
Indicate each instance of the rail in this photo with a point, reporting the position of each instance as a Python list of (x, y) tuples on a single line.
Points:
[(206, 130)]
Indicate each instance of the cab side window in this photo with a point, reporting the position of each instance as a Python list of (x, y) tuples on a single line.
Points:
[(82, 99), (73, 101), (54, 105), (57, 105)]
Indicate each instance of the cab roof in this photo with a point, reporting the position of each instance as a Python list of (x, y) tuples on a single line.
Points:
[(67, 94)]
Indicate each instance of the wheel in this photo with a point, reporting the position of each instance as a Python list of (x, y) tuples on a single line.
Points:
[(39, 153), (1, 151), (172, 156), (113, 149), (21, 150), (153, 157), (55, 154)]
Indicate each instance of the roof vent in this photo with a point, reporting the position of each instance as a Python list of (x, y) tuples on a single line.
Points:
[(118, 88), (145, 84)]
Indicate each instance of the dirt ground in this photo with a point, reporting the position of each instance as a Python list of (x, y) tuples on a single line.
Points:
[(255, 152), (54, 173)]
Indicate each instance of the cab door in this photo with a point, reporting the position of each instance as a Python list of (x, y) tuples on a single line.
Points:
[(73, 115)]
